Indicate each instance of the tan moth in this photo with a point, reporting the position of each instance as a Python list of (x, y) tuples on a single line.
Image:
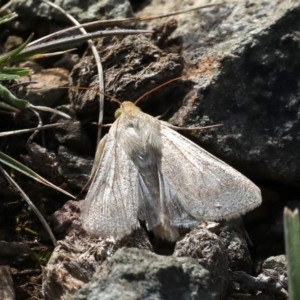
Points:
[(149, 172)]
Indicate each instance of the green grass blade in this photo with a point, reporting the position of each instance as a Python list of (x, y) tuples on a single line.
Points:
[(9, 57), (14, 73), (7, 18), (17, 71), (7, 107), (292, 246), (9, 161), (8, 76), (11, 99)]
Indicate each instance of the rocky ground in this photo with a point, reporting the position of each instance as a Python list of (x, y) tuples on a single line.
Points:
[(241, 68)]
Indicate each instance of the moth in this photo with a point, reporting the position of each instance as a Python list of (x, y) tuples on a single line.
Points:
[(149, 172)]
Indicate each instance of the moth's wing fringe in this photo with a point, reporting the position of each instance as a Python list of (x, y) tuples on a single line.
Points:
[(98, 155)]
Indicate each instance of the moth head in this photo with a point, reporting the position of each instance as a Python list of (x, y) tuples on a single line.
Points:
[(118, 113), (126, 107)]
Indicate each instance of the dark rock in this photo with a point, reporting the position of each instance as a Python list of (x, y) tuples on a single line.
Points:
[(72, 133), (138, 274), (233, 238), (210, 252), (75, 168), (133, 65), (238, 296), (41, 160), (66, 220), (68, 61), (13, 249)]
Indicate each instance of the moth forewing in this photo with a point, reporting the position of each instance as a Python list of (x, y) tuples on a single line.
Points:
[(208, 188), (150, 172), (110, 207)]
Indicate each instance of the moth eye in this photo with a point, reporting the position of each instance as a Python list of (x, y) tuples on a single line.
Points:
[(118, 113)]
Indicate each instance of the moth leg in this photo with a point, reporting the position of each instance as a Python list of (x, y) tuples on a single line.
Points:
[(166, 231), (161, 116)]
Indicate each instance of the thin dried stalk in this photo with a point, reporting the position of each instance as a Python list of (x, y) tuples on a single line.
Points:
[(14, 132)]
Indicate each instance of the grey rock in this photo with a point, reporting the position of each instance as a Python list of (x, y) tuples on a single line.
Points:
[(139, 274), (83, 11), (269, 282), (277, 263), (68, 61), (72, 264), (76, 258)]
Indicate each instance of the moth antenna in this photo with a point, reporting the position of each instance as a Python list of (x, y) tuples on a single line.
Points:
[(157, 88), (91, 89)]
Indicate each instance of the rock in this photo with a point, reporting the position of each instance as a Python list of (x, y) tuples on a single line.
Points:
[(75, 168), (269, 282), (76, 258), (68, 61), (233, 238), (72, 264), (66, 220), (277, 263), (46, 91), (13, 249), (132, 65), (210, 252), (12, 43), (41, 160), (72, 133), (239, 296), (82, 11), (139, 274)]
